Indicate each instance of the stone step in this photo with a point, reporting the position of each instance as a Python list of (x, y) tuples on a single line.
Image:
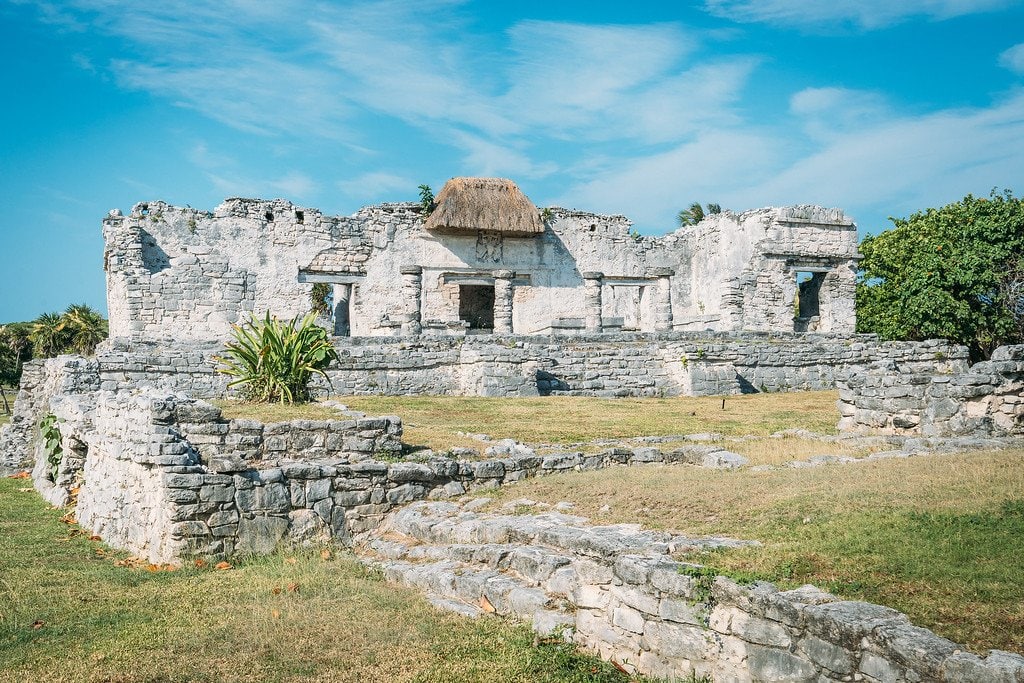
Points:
[(446, 523), (458, 587)]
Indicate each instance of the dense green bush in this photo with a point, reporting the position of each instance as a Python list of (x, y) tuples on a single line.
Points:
[(273, 360), (956, 273)]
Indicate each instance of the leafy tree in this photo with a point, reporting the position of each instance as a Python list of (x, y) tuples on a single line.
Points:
[(318, 299), (946, 273), (426, 199), (85, 327), (274, 360), (48, 337), (695, 213)]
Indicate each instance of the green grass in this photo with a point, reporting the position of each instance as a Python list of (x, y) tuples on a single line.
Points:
[(68, 614), (434, 421), (940, 538)]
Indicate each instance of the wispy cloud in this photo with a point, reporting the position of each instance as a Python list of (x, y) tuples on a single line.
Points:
[(1013, 58), (864, 14), (229, 177), (887, 163), (378, 184)]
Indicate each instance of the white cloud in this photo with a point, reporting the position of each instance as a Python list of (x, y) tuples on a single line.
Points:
[(885, 164), (829, 113), (294, 185), (1013, 58), (866, 14), (708, 169), (376, 184)]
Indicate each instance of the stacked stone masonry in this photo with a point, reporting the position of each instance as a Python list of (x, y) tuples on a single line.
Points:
[(171, 269), (947, 397), (656, 364), (616, 591), (167, 477)]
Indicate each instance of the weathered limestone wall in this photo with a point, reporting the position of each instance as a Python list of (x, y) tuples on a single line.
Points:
[(618, 592), (661, 364), (174, 271), (166, 477), (949, 398), (42, 381)]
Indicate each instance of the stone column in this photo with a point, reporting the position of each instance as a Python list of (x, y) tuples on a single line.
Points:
[(592, 281), (503, 301), (663, 302), (342, 296), (412, 289)]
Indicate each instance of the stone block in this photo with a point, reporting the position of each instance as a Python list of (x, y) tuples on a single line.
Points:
[(880, 669), (914, 647), (261, 534), (678, 611), (676, 641), (306, 527), (272, 497), (760, 631), (828, 656), (410, 471), (628, 619), (772, 664), (489, 469), (406, 493), (217, 494), (636, 598)]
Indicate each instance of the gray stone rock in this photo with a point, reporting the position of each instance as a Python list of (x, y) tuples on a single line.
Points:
[(261, 534)]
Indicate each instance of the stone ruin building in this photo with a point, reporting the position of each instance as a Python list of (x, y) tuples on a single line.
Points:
[(489, 296), (486, 260)]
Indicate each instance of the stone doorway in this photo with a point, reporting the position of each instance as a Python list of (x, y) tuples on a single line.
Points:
[(808, 301), (476, 306)]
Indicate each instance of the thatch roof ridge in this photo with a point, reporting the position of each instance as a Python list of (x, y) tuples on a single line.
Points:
[(488, 204)]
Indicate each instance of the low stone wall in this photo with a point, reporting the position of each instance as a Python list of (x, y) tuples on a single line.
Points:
[(41, 381), (164, 476), (663, 364), (616, 591), (947, 399)]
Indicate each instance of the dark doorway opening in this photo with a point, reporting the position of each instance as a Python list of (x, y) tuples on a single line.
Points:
[(808, 301), (476, 306)]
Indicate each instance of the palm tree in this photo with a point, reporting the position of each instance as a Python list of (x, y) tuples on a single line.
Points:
[(85, 328), (48, 336), (695, 213), (692, 215)]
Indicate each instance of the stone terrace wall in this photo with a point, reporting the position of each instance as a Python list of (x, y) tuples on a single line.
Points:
[(618, 592), (897, 397), (41, 381), (164, 476), (667, 364)]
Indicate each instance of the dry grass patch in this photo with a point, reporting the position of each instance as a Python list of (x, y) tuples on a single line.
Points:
[(938, 537), (434, 421), (776, 451), (68, 614)]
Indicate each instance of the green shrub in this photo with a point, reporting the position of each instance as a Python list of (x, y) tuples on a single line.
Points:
[(50, 432), (274, 360)]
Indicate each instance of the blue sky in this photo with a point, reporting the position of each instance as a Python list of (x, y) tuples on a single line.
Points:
[(876, 106)]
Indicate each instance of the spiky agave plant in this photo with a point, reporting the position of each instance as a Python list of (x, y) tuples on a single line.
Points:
[(273, 360)]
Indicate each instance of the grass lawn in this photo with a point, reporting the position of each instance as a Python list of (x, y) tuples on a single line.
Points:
[(68, 614), (940, 538), (436, 421)]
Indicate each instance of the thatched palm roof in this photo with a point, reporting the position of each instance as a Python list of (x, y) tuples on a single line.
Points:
[(490, 204)]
